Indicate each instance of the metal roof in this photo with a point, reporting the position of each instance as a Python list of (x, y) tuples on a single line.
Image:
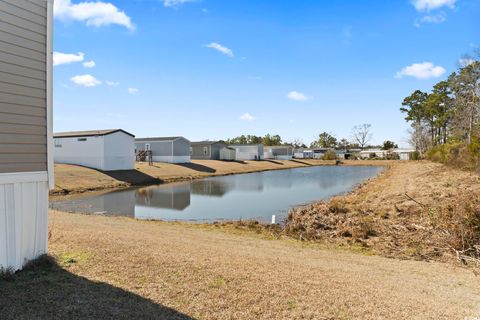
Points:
[(90, 133), (207, 142), (159, 139)]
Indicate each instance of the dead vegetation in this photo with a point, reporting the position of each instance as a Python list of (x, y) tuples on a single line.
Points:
[(419, 210)]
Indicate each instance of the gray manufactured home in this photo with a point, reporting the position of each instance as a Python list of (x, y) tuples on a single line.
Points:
[(207, 150), (284, 152), (26, 162), (165, 149)]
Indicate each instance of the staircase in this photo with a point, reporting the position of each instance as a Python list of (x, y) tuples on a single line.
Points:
[(144, 156)]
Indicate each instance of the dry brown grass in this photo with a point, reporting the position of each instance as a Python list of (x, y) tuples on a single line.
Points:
[(76, 179), (422, 210), (122, 268)]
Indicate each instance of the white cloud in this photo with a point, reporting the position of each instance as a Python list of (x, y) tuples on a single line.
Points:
[(247, 117), (297, 96), (66, 58), (133, 90), (427, 5), (424, 70), (465, 62), (220, 48), (89, 64), (174, 3), (438, 18), (95, 13), (112, 83), (86, 80)]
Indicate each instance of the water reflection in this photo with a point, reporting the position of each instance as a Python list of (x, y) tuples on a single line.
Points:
[(246, 196)]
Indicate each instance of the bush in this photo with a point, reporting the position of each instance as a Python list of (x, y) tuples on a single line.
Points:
[(330, 155), (457, 154)]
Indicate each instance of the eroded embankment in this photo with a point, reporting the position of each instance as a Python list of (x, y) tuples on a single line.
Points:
[(419, 210)]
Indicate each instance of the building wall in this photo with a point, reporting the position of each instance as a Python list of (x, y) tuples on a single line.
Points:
[(25, 129), (181, 148), (89, 153), (249, 152), (177, 151), (228, 154), (23, 86), (119, 152), (198, 151)]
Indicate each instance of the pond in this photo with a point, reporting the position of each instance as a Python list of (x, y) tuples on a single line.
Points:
[(244, 196)]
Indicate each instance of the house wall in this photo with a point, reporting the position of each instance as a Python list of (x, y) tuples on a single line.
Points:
[(23, 86), (177, 151), (228, 154), (25, 124), (89, 153), (119, 152), (198, 152), (249, 152)]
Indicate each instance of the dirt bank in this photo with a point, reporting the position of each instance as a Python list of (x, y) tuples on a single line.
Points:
[(122, 268), (421, 209), (76, 179)]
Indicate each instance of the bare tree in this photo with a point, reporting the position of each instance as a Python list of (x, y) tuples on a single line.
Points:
[(361, 135), (419, 138)]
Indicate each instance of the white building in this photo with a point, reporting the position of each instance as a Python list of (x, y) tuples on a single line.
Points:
[(403, 153), (248, 151), (105, 150), (26, 163), (284, 152)]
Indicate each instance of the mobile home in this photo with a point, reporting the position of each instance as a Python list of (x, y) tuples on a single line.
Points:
[(228, 154), (278, 152), (105, 150), (165, 149), (26, 163), (207, 150), (248, 151)]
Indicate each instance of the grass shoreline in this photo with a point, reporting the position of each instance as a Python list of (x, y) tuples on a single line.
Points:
[(71, 180)]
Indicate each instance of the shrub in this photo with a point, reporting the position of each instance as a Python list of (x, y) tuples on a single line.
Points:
[(330, 155)]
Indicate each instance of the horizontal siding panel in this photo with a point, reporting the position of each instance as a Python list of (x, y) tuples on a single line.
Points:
[(13, 39), (35, 6), (21, 119), (22, 23), (22, 90), (24, 81), (22, 52), (22, 110), (22, 167), (23, 14), (24, 62), (22, 138), (25, 158), (23, 148), (33, 35), (23, 129), (16, 99), (22, 71)]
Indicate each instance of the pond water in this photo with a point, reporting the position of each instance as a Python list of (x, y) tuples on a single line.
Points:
[(243, 196)]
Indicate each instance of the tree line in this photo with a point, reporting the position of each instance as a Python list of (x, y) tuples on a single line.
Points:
[(450, 113)]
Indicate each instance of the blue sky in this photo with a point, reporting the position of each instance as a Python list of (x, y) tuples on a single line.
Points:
[(215, 69)]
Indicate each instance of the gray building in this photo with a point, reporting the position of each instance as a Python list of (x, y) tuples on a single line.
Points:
[(26, 157), (165, 149), (284, 152), (207, 150)]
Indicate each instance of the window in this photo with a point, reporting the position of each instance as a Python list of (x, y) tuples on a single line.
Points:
[(58, 143), (191, 150), (205, 151), (82, 139), (147, 147)]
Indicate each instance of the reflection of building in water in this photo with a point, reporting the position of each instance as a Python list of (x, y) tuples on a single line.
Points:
[(175, 196), (118, 203), (211, 187)]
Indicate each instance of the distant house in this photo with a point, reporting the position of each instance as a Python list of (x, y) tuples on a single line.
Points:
[(207, 150), (228, 154), (165, 149), (105, 150), (284, 152), (248, 151), (373, 153), (26, 157), (403, 153), (302, 153)]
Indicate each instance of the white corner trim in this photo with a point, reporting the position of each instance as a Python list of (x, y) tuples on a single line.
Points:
[(20, 177), (49, 49)]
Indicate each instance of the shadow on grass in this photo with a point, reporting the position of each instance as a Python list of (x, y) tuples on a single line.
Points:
[(133, 177), (302, 162), (43, 290), (274, 162), (197, 167)]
